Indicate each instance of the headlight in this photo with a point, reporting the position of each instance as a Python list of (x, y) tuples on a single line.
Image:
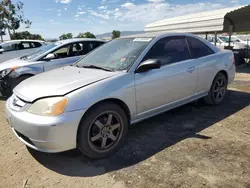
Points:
[(49, 106), (7, 71)]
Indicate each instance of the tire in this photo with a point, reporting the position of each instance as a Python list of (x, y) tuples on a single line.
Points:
[(219, 84), (98, 134)]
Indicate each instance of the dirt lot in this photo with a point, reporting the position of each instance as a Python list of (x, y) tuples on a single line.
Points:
[(192, 146)]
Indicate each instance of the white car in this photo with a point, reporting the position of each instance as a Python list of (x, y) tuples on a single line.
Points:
[(18, 48), (223, 41)]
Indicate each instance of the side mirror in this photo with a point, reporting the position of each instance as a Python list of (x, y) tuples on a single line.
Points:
[(148, 65), (49, 56)]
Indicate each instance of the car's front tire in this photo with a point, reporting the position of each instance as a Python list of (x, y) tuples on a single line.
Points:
[(218, 90), (102, 130)]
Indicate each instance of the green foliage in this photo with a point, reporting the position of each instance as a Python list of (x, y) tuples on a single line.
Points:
[(26, 35), (66, 36), (11, 16), (86, 35), (116, 34)]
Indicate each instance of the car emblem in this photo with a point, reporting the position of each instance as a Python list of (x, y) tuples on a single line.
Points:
[(15, 101)]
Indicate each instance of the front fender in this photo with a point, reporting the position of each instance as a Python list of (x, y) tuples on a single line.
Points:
[(32, 70)]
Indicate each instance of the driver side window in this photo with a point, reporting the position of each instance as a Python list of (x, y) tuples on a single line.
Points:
[(62, 52), (169, 50)]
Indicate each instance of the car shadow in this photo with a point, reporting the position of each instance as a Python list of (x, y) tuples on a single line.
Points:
[(147, 138), (245, 68)]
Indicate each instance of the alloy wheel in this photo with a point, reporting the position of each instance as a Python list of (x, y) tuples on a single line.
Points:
[(105, 131)]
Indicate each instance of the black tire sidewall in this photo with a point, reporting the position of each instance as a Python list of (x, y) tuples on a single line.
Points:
[(219, 76), (84, 126)]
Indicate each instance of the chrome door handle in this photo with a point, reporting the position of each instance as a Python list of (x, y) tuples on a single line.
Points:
[(191, 69)]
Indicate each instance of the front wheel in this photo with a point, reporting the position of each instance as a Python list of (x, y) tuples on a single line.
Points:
[(218, 90), (102, 131)]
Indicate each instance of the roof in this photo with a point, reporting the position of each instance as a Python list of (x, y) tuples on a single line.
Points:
[(22, 40), (209, 21), (79, 40)]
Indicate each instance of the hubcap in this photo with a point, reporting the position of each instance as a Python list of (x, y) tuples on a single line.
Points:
[(105, 131), (219, 89)]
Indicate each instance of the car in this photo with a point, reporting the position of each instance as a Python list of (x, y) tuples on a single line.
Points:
[(223, 41), (90, 104), (46, 58), (1, 50), (17, 48)]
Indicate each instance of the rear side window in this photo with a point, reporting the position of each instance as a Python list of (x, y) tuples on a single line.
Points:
[(37, 44), (198, 48), (169, 50)]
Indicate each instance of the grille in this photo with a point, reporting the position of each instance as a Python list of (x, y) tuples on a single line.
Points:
[(17, 103)]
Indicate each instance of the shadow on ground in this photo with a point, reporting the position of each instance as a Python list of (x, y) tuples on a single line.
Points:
[(245, 68), (149, 137)]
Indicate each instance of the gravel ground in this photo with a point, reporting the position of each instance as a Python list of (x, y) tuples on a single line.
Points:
[(192, 146)]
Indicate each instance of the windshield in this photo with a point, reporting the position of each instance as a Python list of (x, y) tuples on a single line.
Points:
[(226, 39), (118, 54), (40, 51)]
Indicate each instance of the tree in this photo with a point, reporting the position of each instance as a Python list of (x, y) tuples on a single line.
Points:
[(66, 36), (116, 34), (86, 35), (11, 16), (26, 35)]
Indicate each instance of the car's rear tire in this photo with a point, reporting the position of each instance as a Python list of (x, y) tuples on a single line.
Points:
[(217, 91), (102, 130)]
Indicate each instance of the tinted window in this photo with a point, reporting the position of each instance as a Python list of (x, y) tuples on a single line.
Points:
[(37, 44), (78, 49), (198, 48), (169, 50)]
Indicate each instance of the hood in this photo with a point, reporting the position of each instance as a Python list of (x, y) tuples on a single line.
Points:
[(59, 82), (12, 63)]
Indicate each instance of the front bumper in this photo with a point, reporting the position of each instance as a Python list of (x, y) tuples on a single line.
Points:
[(44, 133)]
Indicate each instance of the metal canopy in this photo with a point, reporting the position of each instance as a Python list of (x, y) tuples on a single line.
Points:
[(221, 20)]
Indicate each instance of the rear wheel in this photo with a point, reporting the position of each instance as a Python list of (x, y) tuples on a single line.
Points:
[(218, 90), (102, 131)]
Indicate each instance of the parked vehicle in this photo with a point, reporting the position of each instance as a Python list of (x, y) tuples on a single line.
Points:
[(223, 41), (17, 48), (1, 50), (90, 105), (46, 58)]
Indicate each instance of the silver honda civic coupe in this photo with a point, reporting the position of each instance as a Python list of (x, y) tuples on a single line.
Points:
[(90, 104)]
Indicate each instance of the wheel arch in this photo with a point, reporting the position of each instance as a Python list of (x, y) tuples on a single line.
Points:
[(117, 101)]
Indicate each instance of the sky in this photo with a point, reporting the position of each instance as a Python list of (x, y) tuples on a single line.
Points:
[(51, 18)]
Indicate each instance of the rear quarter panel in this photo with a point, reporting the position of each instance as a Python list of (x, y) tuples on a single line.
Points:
[(209, 66)]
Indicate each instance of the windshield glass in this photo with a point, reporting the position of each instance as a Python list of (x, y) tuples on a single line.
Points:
[(40, 51), (118, 54)]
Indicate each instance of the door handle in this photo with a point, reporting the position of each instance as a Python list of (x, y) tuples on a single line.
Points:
[(191, 69)]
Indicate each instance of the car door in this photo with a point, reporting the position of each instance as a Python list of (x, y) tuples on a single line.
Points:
[(172, 84), (205, 63), (63, 56)]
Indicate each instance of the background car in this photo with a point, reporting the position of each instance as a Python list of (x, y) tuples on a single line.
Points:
[(17, 48), (46, 58), (90, 105)]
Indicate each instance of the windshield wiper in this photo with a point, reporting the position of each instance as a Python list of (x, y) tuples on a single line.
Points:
[(97, 67)]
